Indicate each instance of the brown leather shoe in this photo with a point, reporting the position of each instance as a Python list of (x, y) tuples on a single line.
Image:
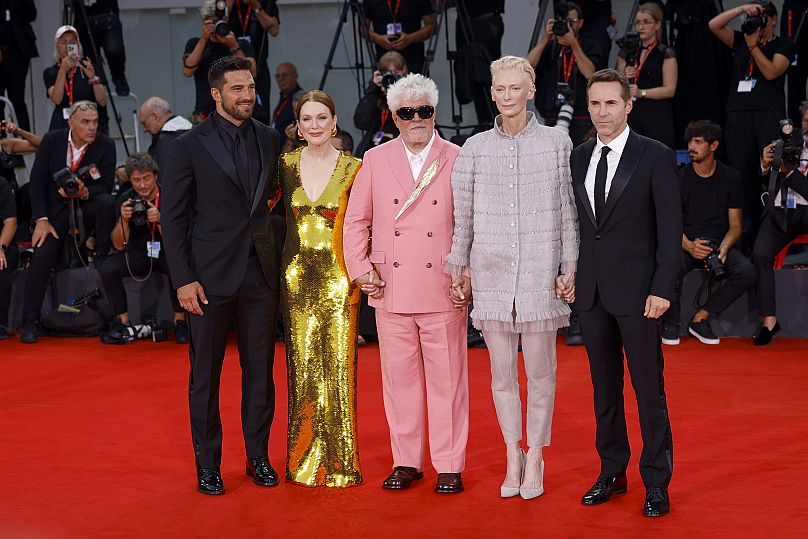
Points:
[(449, 483), (401, 478)]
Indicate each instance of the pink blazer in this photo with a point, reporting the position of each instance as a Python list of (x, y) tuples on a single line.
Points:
[(408, 252)]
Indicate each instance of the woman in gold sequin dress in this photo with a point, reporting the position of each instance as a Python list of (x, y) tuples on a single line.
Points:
[(319, 303)]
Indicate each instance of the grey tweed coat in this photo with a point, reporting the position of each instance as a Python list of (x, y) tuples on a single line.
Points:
[(516, 226)]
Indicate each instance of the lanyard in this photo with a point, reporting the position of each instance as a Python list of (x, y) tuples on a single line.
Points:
[(394, 14), (244, 20), (385, 115), (279, 109), (69, 87), (639, 65), (75, 164), (567, 67), (153, 226)]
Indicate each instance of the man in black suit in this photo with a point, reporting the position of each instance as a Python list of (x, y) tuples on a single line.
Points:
[(627, 194), (224, 263), (85, 152)]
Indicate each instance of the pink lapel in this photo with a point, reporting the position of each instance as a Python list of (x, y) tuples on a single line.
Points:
[(397, 159)]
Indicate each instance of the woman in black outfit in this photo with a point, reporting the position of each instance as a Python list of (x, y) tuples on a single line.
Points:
[(73, 78), (372, 115), (652, 73)]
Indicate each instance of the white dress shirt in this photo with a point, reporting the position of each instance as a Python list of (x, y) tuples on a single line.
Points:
[(798, 199), (612, 159), (76, 150), (417, 160)]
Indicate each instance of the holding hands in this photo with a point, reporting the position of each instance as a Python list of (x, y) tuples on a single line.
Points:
[(565, 287), (371, 284), (460, 291)]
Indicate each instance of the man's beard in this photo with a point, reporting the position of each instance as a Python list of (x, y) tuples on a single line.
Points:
[(233, 110)]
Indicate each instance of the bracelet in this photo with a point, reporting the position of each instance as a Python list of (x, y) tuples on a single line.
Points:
[(95, 80), (753, 47)]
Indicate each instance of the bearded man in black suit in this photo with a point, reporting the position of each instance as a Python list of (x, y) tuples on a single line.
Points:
[(224, 263)]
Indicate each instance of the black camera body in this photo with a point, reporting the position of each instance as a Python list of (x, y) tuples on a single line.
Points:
[(754, 23), (221, 26), (68, 181), (560, 25), (6, 159), (716, 268), (389, 78), (629, 45), (791, 149), (139, 211)]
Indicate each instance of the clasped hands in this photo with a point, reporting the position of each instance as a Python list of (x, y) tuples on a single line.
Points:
[(565, 287), (371, 284)]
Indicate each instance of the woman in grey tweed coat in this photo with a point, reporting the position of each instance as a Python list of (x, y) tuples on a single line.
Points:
[(516, 230)]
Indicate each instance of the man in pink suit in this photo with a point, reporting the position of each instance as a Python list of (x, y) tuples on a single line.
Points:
[(403, 192)]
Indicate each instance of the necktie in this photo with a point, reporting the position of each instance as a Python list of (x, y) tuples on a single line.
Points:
[(240, 157), (415, 165), (600, 183)]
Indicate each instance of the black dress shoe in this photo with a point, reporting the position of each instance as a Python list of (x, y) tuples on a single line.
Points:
[(604, 488), (209, 481), (766, 335), (28, 332), (262, 472), (449, 483), (657, 503), (401, 478), (181, 332)]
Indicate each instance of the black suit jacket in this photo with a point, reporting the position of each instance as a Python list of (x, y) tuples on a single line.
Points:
[(208, 219), (23, 13), (636, 250), (51, 156)]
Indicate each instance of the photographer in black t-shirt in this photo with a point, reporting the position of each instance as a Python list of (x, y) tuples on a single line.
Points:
[(401, 26), (137, 238), (712, 202), (372, 114), (756, 101), (563, 64)]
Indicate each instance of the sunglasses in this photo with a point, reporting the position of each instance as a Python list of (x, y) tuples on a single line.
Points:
[(408, 113)]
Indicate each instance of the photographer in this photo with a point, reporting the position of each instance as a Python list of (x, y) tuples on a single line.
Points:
[(8, 252), (107, 33), (791, 214), (401, 26), (163, 125), (73, 79), (23, 143), (137, 238), (712, 202), (756, 100), (564, 63), (201, 52), (61, 205), (17, 47), (284, 114), (372, 115), (651, 68)]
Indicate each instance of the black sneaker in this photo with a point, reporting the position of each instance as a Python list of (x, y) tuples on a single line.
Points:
[(121, 86), (28, 332), (670, 335), (181, 332), (703, 332)]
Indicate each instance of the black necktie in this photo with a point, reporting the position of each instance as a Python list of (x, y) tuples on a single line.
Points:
[(240, 157), (600, 183)]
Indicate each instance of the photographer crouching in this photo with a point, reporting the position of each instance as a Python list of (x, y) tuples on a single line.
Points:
[(712, 202), (564, 62), (786, 215), (137, 239)]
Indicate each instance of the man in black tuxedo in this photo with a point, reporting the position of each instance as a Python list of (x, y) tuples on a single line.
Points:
[(627, 194), (56, 211), (224, 263)]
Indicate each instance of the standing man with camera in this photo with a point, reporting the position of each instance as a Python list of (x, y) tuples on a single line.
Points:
[(712, 206), (225, 265), (757, 100), (786, 218), (138, 241), (104, 25), (59, 207), (564, 64)]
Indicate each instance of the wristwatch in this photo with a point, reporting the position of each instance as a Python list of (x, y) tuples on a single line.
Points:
[(258, 10), (642, 94)]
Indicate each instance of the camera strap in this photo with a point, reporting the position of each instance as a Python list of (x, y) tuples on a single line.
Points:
[(393, 14), (567, 67)]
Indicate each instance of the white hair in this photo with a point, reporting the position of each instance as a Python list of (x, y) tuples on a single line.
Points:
[(156, 104), (412, 87)]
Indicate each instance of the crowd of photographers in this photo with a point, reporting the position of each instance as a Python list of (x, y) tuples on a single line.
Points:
[(741, 143)]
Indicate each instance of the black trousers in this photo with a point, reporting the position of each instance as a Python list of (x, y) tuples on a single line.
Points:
[(13, 74), (114, 270), (487, 30), (606, 336), (254, 310), (768, 243), (98, 214), (740, 277), (109, 39), (6, 280)]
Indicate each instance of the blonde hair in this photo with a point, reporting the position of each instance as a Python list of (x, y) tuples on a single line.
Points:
[(652, 9), (514, 62)]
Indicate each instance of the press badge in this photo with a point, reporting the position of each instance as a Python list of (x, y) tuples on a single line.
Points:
[(248, 39), (8, 15), (377, 138), (791, 201), (153, 249), (66, 113), (393, 28), (746, 85)]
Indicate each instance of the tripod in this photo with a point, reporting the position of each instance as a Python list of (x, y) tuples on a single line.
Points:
[(362, 46), (70, 14)]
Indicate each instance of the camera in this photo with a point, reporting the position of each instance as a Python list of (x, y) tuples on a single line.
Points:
[(6, 159), (139, 211), (629, 45), (715, 267), (564, 99), (68, 180), (221, 26), (389, 78), (791, 150), (754, 23)]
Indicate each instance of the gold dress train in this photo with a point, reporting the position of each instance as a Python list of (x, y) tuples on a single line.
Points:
[(320, 307)]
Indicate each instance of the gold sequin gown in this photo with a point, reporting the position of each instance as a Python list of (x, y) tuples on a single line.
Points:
[(320, 307)]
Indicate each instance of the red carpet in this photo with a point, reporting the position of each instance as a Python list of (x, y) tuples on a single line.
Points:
[(94, 442)]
